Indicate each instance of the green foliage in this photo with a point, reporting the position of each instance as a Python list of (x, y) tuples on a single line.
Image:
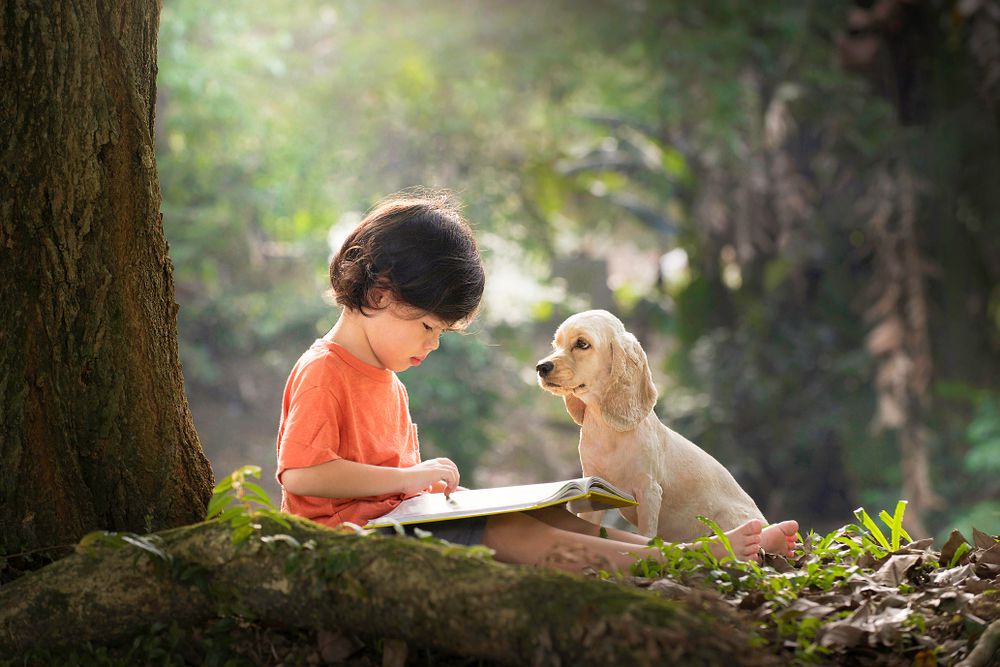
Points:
[(969, 474), (646, 125), (983, 435), (874, 539), (238, 501)]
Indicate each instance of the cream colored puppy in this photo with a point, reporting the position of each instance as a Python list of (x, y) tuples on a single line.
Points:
[(601, 371)]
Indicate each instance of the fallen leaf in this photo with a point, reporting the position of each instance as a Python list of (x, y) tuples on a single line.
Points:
[(809, 609), (752, 600), (982, 540), (889, 628), (953, 601), (990, 556), (893, 571), (975, 585), (779, 563), (669, 588), (952, 576), (840, 634), (955, 540), (919, 545), (987, 570)]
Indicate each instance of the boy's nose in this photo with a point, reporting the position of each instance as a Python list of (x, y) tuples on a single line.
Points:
[(544, 368)]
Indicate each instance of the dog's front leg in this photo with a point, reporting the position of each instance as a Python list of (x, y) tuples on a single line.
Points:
[(650, 499), (596, 518)]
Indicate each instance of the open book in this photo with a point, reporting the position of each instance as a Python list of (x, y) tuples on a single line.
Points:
[(586, 494)]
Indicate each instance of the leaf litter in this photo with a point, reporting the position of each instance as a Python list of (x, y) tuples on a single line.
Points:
[(848, 598)]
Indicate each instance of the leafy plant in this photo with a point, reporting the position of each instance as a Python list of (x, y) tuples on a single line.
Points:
[(873, 539), (238, 501)]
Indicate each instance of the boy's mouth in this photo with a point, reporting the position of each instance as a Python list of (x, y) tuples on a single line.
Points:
[(416, 360)]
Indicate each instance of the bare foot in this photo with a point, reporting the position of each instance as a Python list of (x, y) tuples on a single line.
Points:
[(745, 541), (779, 538)]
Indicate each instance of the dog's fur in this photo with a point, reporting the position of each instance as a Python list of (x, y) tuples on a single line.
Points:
[(602, 373)]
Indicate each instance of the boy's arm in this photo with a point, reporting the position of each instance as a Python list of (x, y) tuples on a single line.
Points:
[(348, 479)]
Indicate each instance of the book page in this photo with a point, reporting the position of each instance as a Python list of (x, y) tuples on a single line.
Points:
[(473, 501), (583, 494)]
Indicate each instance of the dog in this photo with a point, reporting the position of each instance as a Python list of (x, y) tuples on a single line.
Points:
[(602, 373)]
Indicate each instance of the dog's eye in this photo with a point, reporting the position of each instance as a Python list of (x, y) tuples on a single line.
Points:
[(581, 344)]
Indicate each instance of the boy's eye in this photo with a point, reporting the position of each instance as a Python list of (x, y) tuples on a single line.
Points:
[(427, 327), (581, 344)]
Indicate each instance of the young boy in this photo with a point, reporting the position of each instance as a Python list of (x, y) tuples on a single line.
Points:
[(347, 448)]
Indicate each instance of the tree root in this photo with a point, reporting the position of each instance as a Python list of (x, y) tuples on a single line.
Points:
[(425, 594)]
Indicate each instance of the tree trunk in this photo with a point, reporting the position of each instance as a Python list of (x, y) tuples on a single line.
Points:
[(427, 595), (95, 430), (899, 339), (983, 44)]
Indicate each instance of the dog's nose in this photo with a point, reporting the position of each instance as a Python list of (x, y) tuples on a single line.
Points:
[(544, 367)]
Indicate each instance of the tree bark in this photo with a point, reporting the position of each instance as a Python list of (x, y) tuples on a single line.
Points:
[(95, 430), (428, 595), (900, 341)]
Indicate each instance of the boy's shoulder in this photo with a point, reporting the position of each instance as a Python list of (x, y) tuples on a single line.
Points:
[(326, 363)]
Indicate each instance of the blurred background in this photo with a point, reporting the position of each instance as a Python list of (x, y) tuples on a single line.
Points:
[(793, 205)]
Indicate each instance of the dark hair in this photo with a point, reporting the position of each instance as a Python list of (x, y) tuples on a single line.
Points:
[(421, 249)]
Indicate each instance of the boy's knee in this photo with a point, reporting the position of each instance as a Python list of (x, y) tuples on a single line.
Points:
[(513, 522), (510, 531)]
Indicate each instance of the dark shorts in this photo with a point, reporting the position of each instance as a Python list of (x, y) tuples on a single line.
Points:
[(460, 531)]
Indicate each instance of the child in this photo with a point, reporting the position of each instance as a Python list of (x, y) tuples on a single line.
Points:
[(347, 449)]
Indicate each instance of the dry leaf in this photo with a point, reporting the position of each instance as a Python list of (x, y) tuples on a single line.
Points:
[(982, 540), (955, 540), (669, 588), (990, 556), (840, 634), (893, 572), (918, 545), (952, 576), (810, 609)]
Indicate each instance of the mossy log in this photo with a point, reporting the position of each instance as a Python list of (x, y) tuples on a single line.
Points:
[(427, 594)]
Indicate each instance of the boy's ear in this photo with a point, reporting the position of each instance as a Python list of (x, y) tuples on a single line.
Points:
[(379, 297)]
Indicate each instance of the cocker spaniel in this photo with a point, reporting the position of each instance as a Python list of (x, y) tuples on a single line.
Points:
[(602, 373)]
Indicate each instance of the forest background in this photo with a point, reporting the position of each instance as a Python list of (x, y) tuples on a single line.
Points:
[(793, 205)]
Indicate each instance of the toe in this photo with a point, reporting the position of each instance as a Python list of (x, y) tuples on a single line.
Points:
[(789, 527)]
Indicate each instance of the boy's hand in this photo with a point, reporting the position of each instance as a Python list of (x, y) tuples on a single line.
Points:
[(424, 474)]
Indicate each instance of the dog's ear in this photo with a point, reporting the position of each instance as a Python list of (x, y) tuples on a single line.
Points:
[(630, 394), (576, 408)]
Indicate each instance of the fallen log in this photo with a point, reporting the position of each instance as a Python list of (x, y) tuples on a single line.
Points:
[(427, 594)]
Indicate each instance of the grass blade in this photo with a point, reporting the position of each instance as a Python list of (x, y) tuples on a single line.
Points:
[(872, 527)]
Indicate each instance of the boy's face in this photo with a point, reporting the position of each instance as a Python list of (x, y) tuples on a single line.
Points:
[(401, 337)]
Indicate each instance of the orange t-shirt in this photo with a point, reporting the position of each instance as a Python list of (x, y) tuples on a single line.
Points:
[(336, 406)]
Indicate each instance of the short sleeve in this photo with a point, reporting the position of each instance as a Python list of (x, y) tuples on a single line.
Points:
[(310, 433)]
